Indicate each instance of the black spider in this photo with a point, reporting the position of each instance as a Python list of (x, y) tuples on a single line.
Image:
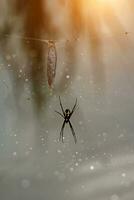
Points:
[(67, 115)]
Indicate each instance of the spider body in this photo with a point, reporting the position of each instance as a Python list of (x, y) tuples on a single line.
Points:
[(66, 114)]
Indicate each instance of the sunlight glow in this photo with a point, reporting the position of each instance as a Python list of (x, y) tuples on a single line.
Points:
[(97, 5)]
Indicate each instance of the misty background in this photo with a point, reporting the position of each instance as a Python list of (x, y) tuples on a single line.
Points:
[(94, 46)]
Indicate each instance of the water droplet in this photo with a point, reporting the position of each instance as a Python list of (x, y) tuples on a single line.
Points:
[(25, 183), (114, 197), (123, 174), (67, 76), (92, 167), (14, 153), (71, 169)]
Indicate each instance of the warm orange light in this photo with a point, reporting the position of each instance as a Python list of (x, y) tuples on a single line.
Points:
[(96, 7)]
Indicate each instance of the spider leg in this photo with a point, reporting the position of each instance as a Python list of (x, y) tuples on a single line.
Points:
[(61, 132), (73, 133), (61, 106), (73, 109), (59, 113)]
